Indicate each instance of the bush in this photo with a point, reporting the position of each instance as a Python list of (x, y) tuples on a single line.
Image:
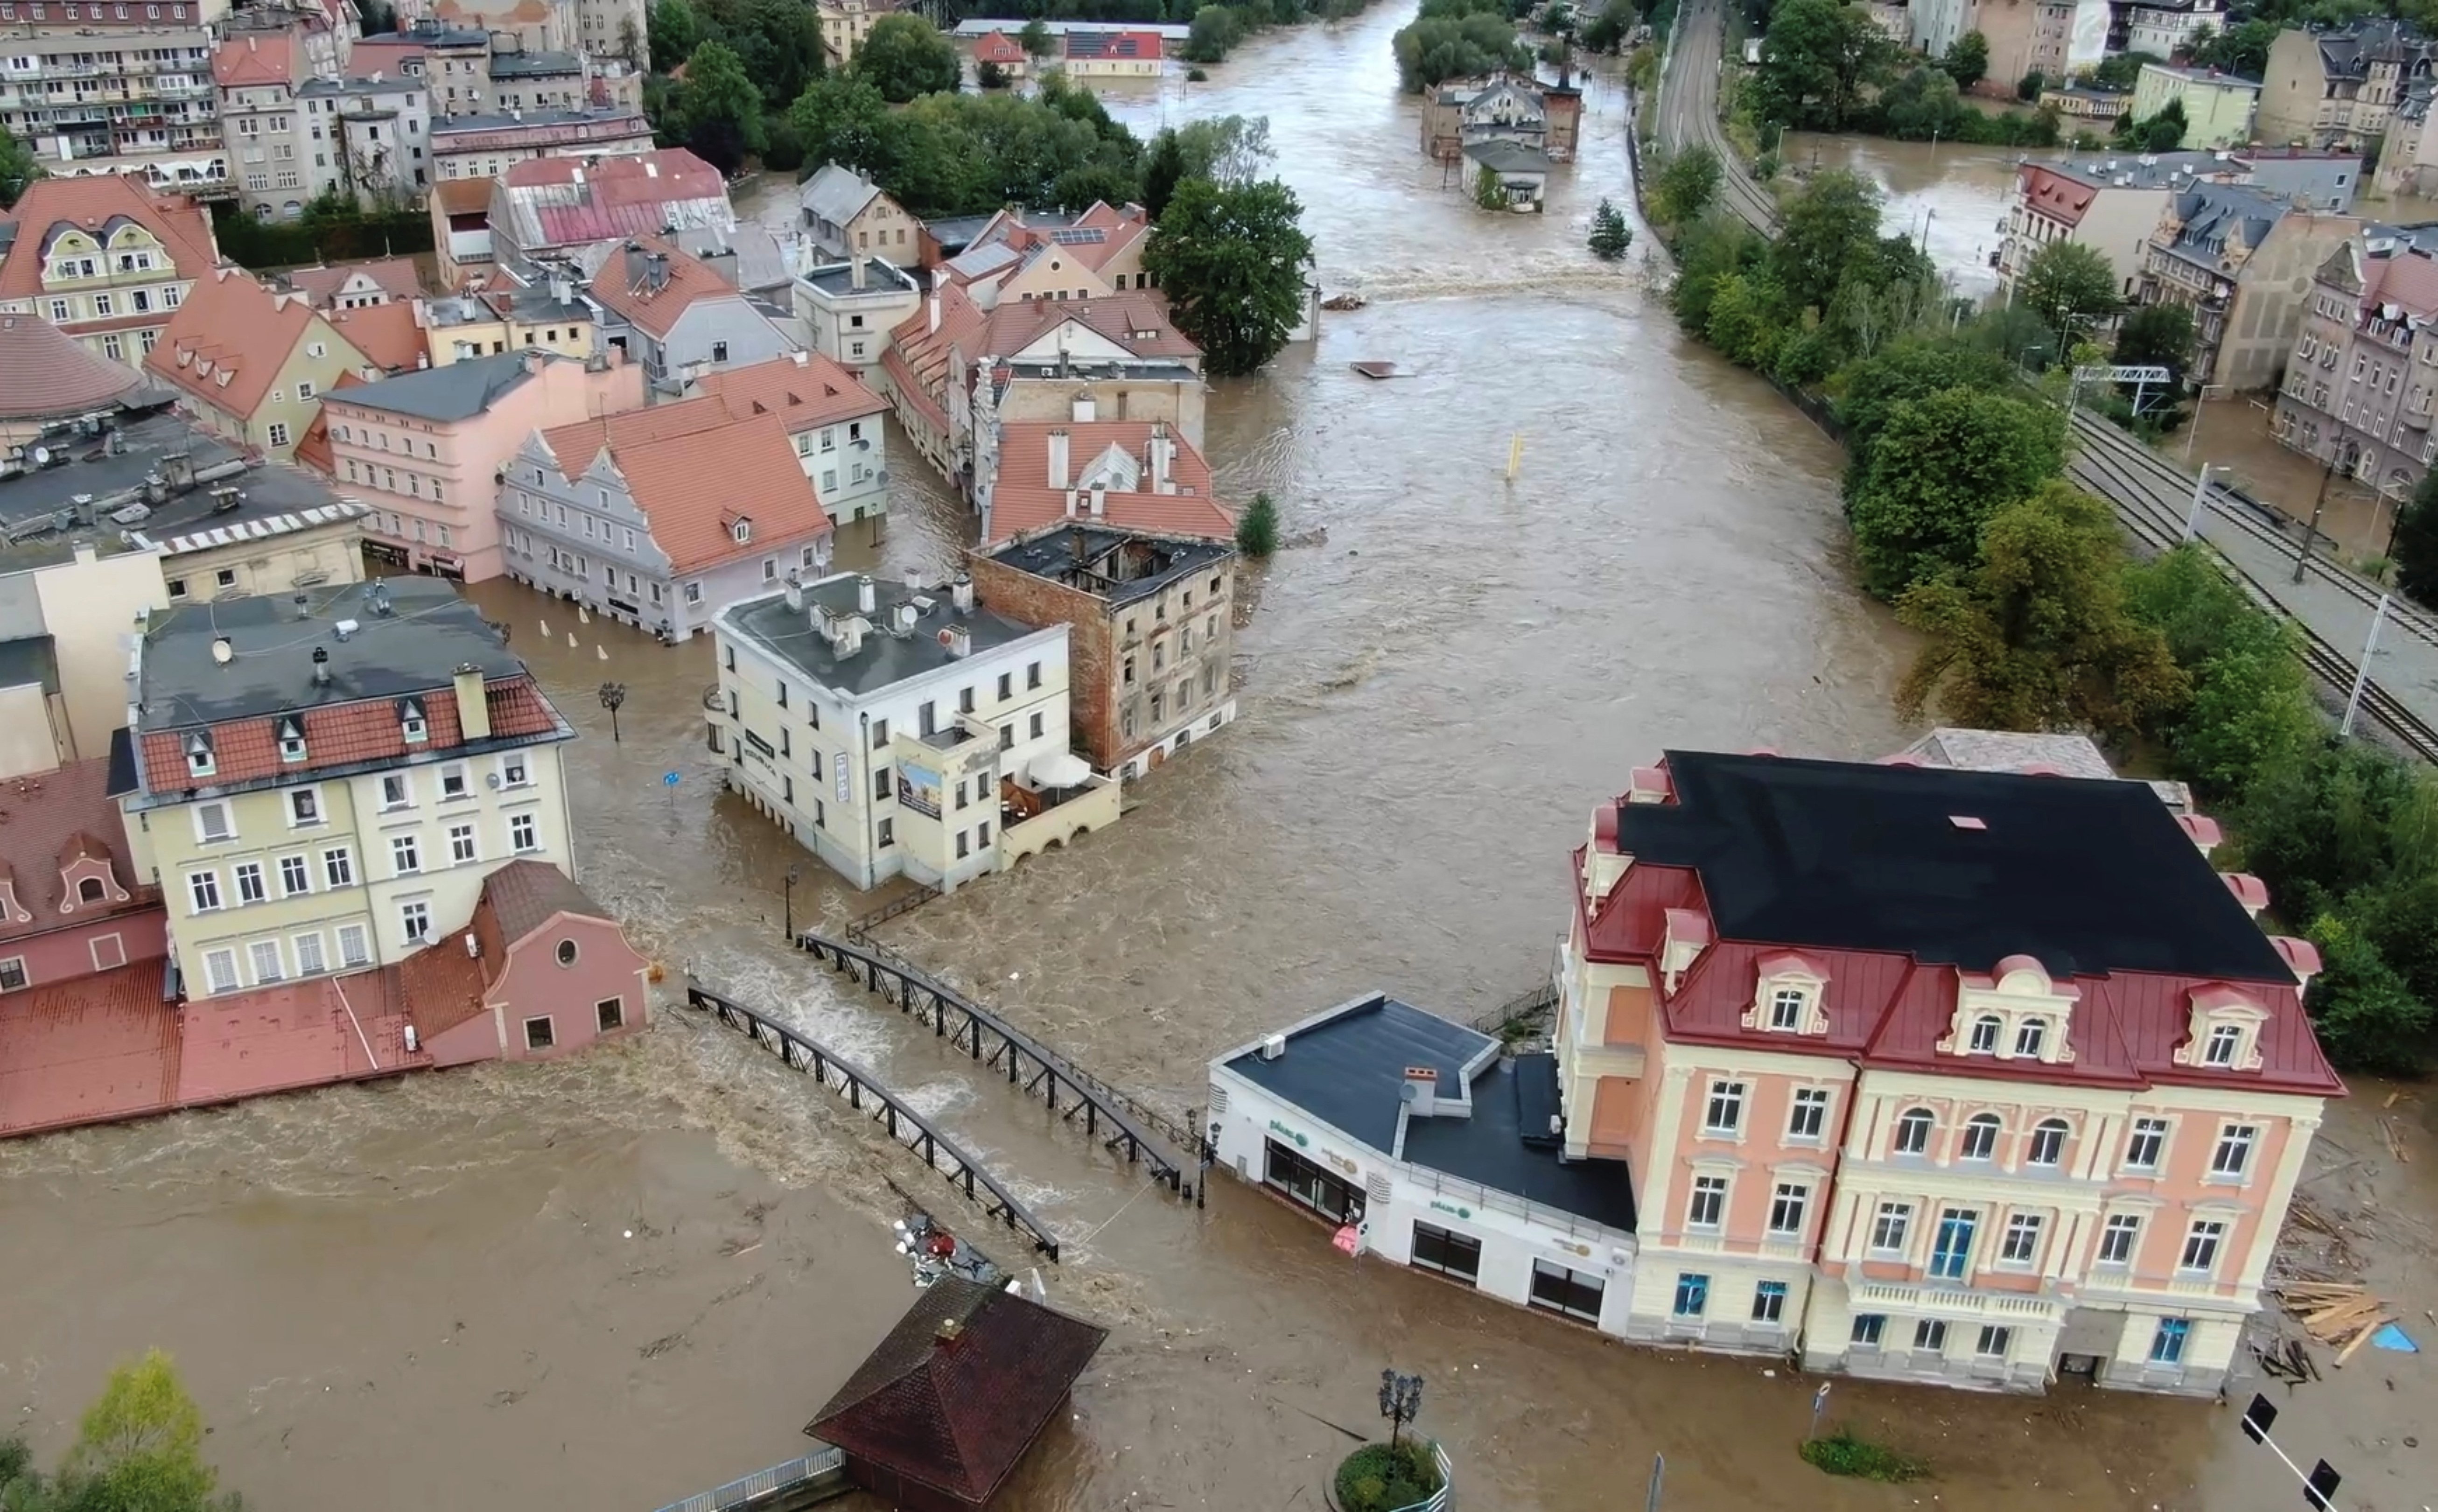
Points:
[(1842, 1453), (1196, 74), (1378, 1478), (2365, 1012), (2029, 86), (1257, 534)]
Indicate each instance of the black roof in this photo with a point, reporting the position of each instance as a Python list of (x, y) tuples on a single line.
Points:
[(1350, 1070), (1505, 1147), (2088, 876)]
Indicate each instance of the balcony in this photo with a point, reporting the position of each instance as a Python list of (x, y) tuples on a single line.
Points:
[(1033, 819), (1957, 1302)]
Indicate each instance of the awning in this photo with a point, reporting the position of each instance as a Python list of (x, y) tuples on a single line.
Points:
[(1059, 769)]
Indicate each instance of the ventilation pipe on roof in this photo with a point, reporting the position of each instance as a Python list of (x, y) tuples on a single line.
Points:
[(473, 708), (1163, 459), (865, 599), (855, 274), (321, 666), (961, 594), (1058, 459)]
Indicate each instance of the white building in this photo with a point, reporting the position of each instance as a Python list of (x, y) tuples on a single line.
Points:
[(895, 729)]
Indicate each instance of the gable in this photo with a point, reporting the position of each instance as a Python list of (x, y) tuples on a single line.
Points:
[(1073, 338)]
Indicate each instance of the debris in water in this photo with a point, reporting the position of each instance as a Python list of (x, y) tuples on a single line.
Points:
[(1344, 301), (1375, 370)]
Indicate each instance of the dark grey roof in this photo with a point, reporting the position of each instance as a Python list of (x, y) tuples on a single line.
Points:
[(1502, 156), (30, 659), (1852, 855), (396, 84), (955, 233), (1491, 1147), (1347, 1068), (501, 121), (2213, 214), (533, 64), (429, 632), (457, 392), (1115, 566), (883, 658), (880, 279), (432, 34)]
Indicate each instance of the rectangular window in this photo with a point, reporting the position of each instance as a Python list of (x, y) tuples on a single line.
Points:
[(294, 877), (405, 856), (1693, 1294), (1930, 1334), (1890, 1228), (12, 970), (1725, 1112), (522, 834), (1033, 675), (219, 971), (1785, 1009), (1769, 1302), (354, 950), (2233, 1154), (1006, 686), (2148, 1144), (1950, 1256), (305, 807), (2021, 1241), (2167, 1345), (453, 782), (1707, 1207), (1310, 1186), (1450, 1254), (610, 1013), (512, 770), (249, 882), (461, 844), (309, 955), (1993, 1343), (886, 836), (204, 890), (395, 793), (2116, 1240), (1809, 1117), (538, 1033), (1035, 728), (212, 823), (1786, 1207), (265, 959), (339, 866), (2200, 1245), (414, 921), (1868, 1327), (1569, 1293)]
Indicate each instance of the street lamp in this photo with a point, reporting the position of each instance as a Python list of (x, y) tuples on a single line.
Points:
[(2323, 1481), (1400, 1399), (2351, 451), (789, 901), (612, 694)]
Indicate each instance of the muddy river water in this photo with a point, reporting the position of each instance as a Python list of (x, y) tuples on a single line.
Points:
[(607, 1282)]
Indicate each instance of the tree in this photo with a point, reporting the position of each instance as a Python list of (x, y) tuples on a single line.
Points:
[(2242, 48), (139, 1447), (2029, 86), (1037, 40), (1686, 185), (1215, 31), (631, 46), (675, 30), (2156, 336), (2069, 286), (1822, 233), (2415, 548), (719, 110), (780, 43), (1257, 534), (2250, 709), (1967, 60), (1226, 149), (2365, 1014), (1163, 170), (841, 118), (376, 18), (1823, 59), (2036, 636), (1490, 190), (1233, 259), (1453, 38), (2124, 70), (1940, 466), (903, 56), (1608, 30), (18, 169), (1611, 235), (2163, 132)]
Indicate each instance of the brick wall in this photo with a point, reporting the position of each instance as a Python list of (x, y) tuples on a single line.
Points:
[(1092, 646)]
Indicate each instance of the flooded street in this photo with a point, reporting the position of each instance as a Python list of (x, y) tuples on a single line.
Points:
[(1955, 195), (609, 1282)]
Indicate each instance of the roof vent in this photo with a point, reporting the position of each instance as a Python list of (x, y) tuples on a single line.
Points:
[(1967, 821), (950, 1331), (321, 666)]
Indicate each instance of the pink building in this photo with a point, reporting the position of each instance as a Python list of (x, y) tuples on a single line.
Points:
[(71, 903), (424, 450), (539, 971)]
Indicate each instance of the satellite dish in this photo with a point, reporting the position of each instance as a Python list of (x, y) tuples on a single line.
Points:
[(222, 652), (41, 456)]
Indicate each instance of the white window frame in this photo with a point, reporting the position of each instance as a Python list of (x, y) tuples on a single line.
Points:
[(254, 953), (465, 844), (304, 865), (406, 855), (310, 943), (2019, 1242), (206, 880), (1722, 1108), (361, 939), (2123, 1231), (219, 971), (2157, 1131), (1708, 1193), (410, 911), (1891, 1228), (227, 811), (529, 842), (1789, 1198), (2243, 1140), (1815, 1101)]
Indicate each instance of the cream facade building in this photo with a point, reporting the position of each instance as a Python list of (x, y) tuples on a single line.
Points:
[(319, 792)]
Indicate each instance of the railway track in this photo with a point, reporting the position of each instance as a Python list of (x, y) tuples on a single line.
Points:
[(2147, 501), (1689, 110)]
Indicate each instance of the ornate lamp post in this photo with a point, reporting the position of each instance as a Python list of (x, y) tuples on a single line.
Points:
[(793, 873), (1400, 1399), (612, 694)]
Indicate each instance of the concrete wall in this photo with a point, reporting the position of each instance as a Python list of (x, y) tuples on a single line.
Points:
[(90, 607), (2292, 103), (2271, 292)]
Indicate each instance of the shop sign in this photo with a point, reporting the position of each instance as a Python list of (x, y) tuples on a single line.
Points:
[(1437, 1205), (1302, 1142)]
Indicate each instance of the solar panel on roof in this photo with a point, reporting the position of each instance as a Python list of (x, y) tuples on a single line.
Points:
[(1078, 236)]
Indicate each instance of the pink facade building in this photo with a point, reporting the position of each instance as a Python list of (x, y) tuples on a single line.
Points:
[(424, 450), (1974, 1077), (71, 902)]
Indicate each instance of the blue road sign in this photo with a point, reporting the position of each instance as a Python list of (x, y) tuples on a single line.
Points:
[(668, 779)]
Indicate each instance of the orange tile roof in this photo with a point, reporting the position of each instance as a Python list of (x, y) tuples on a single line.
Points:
[(997, 47), (348, 734), (45, 372), (908, 386), (388, 334), (804, 391), (1136, 320), (91, 203), (396, 275), (690, 281), (227, 342), (463, 196), (88, 1049), (255, 59), (1022, 500), (693, 470), (45, 820)]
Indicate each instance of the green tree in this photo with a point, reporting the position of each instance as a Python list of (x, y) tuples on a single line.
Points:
[(18, 169), (2163, 132), (841, 118), (2156, 336), (2365, 1013), (1829, 228), (2415, 551), (2124, 70), (1611, 235), (1036, 40), (1967, 59), (988, 74), (2242, 48), (1490, 190), (1686, 185), (2250, 709), (1822, 60), (1940, 466), (903, 56), (1164, 168), (2070, 287), (2037, 635), (1608, 30), (1215, 32), (377, 17), (139, 1447), (631, 46), (780, 43), (2029, 86), (719, 110), (1226, 149), (1454, 38), (1233, 259), (1257, 532), (675, 30)]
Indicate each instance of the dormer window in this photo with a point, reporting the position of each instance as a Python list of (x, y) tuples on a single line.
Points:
[(411, 723), (2224, 1032), (742, 530), (2225, 1044), (291, 739), (198, 755), (1789, 995), (2030, 1036), (1984, 1034), (2014, 1013), (1786, 1009)]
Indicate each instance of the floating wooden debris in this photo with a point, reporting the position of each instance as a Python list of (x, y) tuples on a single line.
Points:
[(2341, 1314), (1375, 370), (1344, 301)]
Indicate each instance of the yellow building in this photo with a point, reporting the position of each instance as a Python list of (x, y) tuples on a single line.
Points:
[(2218, 107), (546, 317), (251, 364), (321, 788), (104, 258)]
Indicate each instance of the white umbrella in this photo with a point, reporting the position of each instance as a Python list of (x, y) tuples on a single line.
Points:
[(1060, 769)]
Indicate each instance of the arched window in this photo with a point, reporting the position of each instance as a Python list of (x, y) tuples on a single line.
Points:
[(1985, 1035), (89, 889), (2225, 1044), (1786, 1008), (1912, 1131), (2048, 1142), (2030, 1036), (1981, 1136)]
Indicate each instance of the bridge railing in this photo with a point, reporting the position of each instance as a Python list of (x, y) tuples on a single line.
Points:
[(763, 1484)]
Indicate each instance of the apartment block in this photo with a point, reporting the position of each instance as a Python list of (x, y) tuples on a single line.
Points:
[(297, 134), (667, 310), (115, 88), (2339, 88), (2235, 256), (321, 787)]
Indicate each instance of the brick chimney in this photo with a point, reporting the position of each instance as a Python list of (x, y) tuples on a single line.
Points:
[(1057, 459)]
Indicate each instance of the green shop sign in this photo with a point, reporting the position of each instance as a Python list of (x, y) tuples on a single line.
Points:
[(1450, 1208), (1302, 1141)]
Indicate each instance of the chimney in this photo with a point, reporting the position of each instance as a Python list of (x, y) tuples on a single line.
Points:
[(534, 361), (321, 666), (950, 1331), (961, 594), (1087, 409), (1100, 499), (656, 277), (855, 274), (1071, 504), (864, 599), (1163, 460), (1604, 866), (959, 640), (1057, 459), (935, 308), (638, 265), (1421, 1093), (473, 710)]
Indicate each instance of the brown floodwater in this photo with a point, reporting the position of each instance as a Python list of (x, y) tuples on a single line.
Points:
[(1950, 200), (610, 1281)]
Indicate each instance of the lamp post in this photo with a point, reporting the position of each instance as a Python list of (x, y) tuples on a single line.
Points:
[(789, 900), (2350, 451), (1400, 1399), (612, 694)]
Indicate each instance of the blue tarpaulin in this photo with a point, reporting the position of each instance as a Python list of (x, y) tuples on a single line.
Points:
[(2392, 1337)]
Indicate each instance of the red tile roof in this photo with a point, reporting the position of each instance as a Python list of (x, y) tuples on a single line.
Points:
[(2055, 195), (443, 984), (1022, 498), (1101, 44), (88, 1050), (45, 817), (692, 468), (956, 1413), (348, 734), (396, 275), (255, 59), (907, 385), (92, 204), (229, 338), (804, 391), (997, 47), (45, 372), (689, 282), (525, 895), (1136, 320), (389, 335)]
